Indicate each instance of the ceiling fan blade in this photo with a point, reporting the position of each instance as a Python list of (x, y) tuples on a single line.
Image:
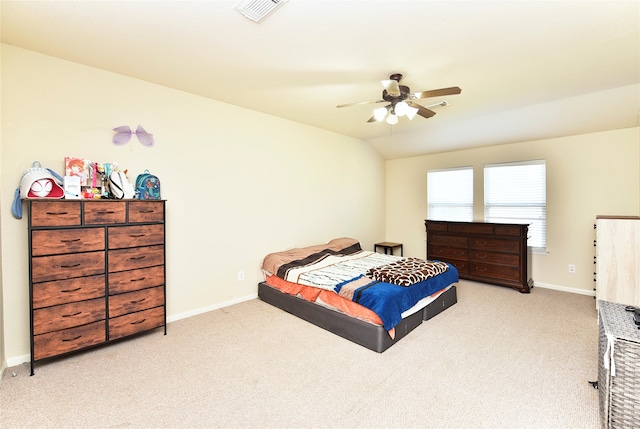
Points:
[(422, 111), (372, 119), (436, 93), (392, 87), (360, 103)]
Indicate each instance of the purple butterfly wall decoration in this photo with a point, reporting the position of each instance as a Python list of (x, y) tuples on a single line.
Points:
[(123, 135)]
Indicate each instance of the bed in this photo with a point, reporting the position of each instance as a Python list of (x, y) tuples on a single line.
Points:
[(370, 298)]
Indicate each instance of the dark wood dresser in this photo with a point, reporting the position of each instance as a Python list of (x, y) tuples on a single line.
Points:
[(486, 252), (96, 272)]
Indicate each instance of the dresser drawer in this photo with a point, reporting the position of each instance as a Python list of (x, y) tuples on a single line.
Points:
[(132, 302), (68, 340), (133, 236), (134, 323), (65, 291), (68, 315), (57, 241), (146, 211), (105, 212), (495, 244), (436, 226), (446, 252), (461, 266), (449, 240), (138, 257), (55, 213), (128, 281), (495, 271), (513, 231), (471, 228), (512, 259), (58, 267)]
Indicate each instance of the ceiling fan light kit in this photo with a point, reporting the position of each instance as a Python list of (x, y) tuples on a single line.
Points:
[(411, 112), (380, 113), (402, 102), (401, 108)]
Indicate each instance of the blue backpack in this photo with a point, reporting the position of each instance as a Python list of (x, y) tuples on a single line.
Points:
[(147, 186)]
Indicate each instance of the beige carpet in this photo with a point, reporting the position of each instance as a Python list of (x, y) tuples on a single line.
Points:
[(497, 359)]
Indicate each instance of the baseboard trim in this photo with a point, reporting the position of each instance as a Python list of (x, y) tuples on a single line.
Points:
[(18, 360), (565, 289), (209, 308)]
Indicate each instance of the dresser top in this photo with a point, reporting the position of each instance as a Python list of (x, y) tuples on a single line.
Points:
[(475, 222), (618, 322)]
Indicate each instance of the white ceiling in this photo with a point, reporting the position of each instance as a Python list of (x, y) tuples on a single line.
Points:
[(528, 70)]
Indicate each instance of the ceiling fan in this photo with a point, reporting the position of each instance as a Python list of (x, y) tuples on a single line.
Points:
[(402, 101)]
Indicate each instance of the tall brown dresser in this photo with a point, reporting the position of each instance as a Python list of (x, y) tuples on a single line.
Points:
[(96, 272), (494, 253)]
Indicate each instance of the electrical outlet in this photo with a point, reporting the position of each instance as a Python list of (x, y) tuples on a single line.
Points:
[(572, 268), (240, 276)]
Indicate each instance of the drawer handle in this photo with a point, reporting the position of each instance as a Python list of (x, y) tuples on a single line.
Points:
[(482, 243), (70, 266), (71, 290), (482, 256), (138, 322), (481, 270), (57, 213), (137, 258), (102, 212), (72, 315), (137, 280), (146, 211), (72, 339), (70, 241), (138, 301), (136, 235), (436, 252)]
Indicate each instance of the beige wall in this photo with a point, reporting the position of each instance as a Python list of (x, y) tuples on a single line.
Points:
[(239, 184), (587, 175), (3, 358)]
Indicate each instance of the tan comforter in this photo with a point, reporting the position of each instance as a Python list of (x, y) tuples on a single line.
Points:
[(275, 261)]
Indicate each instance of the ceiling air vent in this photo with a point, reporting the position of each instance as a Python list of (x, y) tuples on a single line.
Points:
[(257, 10)]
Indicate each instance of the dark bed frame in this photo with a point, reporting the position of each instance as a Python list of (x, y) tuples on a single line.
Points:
[(373, 337)]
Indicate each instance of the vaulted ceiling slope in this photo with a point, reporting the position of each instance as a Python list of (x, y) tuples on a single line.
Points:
[(528, 69)]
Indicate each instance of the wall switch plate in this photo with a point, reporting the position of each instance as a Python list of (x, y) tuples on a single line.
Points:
[(240, 276), (572, 268)]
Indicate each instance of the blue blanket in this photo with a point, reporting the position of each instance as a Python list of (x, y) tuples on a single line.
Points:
[(389, 301)]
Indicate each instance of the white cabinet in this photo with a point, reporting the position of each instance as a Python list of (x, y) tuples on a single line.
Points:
[(618, 259)]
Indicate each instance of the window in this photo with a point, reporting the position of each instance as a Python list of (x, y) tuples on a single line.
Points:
[(517, 193), (450, 194)]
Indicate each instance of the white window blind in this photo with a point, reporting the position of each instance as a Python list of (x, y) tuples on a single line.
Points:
[(450, 194), (517, 193)]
